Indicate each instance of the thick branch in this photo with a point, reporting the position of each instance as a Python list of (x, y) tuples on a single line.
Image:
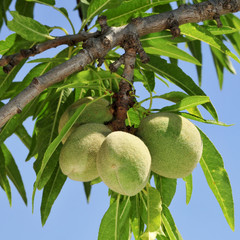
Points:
[(97, 48)]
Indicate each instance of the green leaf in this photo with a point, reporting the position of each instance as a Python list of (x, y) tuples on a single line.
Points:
[(115, 222), (6, 79), (154, 205), (166, 187), (196, 50), (28, 28), (189, 187), (48, 2), (16, 121), (23, 135), (164, 48), (200, 119), (215, 30), (3, 178), (137, 225), (87, 189), (188, 102), (5, 45), (197, 32), (146, 77), (129, 9), (24, 8), (217, 178), (133, 118), (178, 77), (169, 224), (13, 172), (51, 192)]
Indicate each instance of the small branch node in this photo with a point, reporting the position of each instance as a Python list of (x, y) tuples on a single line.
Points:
[(218, 20), (114, 66), (173, 25), (102, 20), (19, 110)]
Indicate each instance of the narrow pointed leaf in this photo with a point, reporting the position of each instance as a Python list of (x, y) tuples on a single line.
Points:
[(51, 192), (163, 48), (166, 187), (13, 173), (189, 187), (28, 28), (188, 102), (87, 189), (178, 77), (169, 224), (217, 178), (154, 205), (6, 79), (3, 178), (115, 222), (129, 9), (197, 32), (196, 50), (49, 2)]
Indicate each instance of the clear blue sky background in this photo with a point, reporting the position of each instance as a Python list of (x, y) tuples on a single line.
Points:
[(71, 216)]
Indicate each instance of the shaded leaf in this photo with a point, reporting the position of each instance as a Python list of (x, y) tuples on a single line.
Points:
[(13, 172), (87, 189), (51, 192), (3, 178), (24, 8), (166, 187), (196, 50), (217, 178)]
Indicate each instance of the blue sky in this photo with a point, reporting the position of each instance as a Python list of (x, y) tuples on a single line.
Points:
[(72, 218)]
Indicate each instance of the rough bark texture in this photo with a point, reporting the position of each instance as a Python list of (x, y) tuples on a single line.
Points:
[(97, 48)]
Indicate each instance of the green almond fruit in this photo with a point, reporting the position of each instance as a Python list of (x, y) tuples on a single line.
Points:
[(124, 163), (174, 143)]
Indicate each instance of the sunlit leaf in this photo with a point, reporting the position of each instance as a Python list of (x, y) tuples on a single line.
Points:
[(178, 77), (169, 224), (217, 178), (115, 222), (28, 28), (189, 187), (188, 102)]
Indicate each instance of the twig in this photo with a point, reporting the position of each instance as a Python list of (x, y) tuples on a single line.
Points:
[(97, 48), (12, 60)]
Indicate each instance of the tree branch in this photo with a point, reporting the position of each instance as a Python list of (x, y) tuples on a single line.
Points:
[(97, 48), (12, 60)]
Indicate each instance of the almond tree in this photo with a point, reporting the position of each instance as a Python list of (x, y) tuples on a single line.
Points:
[(119, 42)]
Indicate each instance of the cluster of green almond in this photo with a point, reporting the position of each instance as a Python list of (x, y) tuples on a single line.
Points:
[(165, 143)]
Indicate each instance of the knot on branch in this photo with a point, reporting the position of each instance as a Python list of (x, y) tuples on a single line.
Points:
[(173, 26), (102, 20), (216, 17), (231, 5)]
